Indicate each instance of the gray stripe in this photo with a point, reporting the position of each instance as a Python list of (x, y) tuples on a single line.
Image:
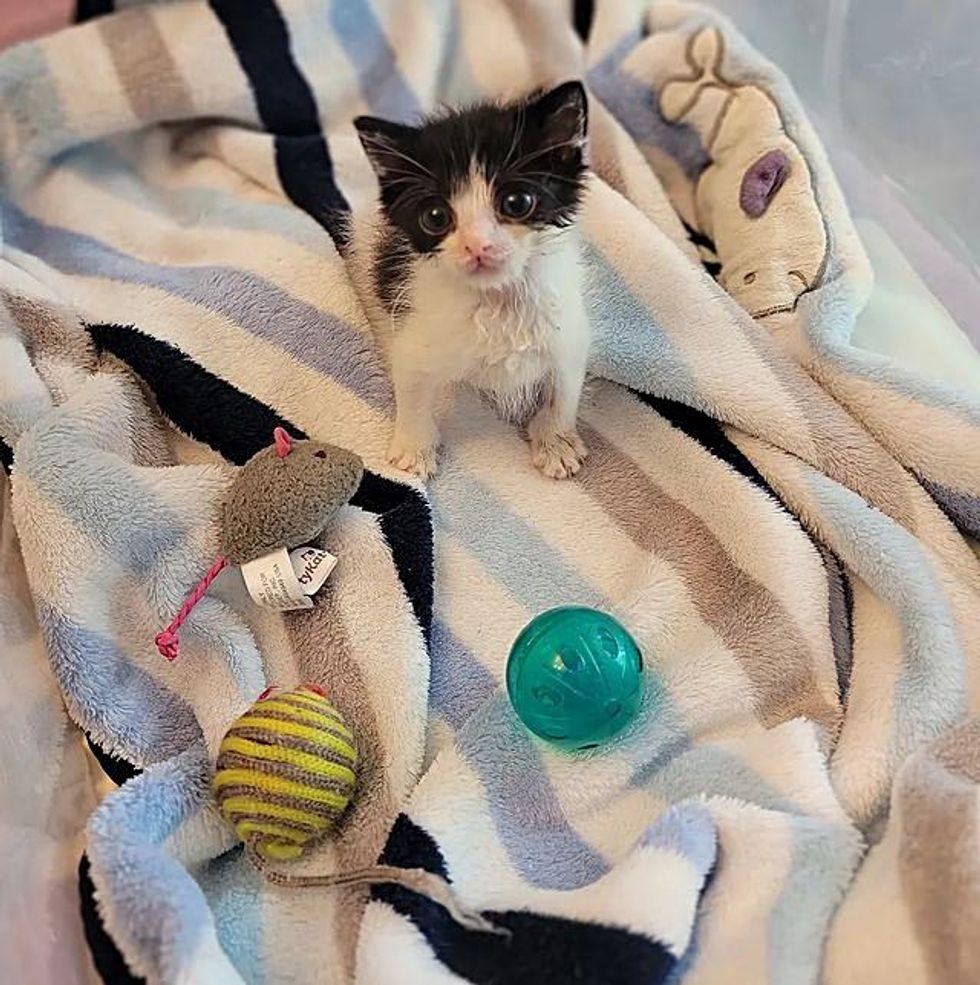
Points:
[(961, 507), (280, 799), (313, 337)]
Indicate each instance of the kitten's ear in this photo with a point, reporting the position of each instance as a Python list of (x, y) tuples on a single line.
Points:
[(562, 113), (385, 143)]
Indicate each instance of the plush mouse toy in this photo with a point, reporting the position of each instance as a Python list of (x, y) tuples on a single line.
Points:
[(284, 496)]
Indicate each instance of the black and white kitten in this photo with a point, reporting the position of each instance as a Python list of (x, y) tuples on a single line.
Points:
[(474, 259)]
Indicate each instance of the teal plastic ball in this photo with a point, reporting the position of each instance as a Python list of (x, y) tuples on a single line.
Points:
[(574, 677)]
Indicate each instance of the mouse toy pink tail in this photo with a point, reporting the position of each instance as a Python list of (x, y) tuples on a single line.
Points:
[(166, 640)]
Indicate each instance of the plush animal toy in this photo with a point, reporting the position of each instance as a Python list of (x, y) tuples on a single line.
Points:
[(284, 496)]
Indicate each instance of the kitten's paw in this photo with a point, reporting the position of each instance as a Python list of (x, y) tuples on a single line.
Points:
[(558, 455), (410, 458)]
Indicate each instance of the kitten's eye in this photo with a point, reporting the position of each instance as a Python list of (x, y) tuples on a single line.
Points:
[(435, 218), (517, 204)]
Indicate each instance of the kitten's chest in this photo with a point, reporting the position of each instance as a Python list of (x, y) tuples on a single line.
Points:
[(512, 339)]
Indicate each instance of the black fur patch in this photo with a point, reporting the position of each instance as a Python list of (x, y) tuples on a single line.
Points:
[(534, 146), (392, 269)]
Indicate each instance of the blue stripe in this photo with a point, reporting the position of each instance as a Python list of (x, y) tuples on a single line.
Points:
[(930, 693), (383, 87), (628, 347), (119, 702), (541, 844), (520, 558), (636, 105), (687, 830), (316, 338), (459, 685)]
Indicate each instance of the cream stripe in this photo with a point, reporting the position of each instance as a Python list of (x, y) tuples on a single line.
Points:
[(376, 671), (91, 209), (753, 624), (317, 404), (89, 117), (939, 443)]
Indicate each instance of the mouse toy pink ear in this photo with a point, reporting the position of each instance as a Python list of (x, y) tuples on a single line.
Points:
[(283, 497)]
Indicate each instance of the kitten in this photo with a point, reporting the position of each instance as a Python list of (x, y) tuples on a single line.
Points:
[(475, 267)]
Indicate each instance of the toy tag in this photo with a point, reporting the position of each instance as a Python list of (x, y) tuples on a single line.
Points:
[(312, 567), (285, 580)]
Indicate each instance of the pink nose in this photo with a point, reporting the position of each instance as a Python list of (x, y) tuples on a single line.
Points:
[(480, 253), (478, 249)]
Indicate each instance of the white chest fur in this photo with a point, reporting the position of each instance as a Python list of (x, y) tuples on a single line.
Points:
[(502, 341)]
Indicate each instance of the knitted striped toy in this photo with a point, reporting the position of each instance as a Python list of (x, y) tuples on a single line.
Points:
[(286, 772)]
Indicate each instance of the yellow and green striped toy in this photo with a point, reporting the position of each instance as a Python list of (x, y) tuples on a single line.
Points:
[(285, 773)]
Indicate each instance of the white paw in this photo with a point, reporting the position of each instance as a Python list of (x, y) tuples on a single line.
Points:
[(409, 457), (558, 455)]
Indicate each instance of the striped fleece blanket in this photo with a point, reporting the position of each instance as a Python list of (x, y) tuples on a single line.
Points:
[(783, 521)]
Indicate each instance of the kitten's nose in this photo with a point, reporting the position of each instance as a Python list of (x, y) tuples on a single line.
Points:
[(480, 253)]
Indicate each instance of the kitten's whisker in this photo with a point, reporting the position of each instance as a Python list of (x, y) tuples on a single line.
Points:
[(541, 151), (386, 147), (518, 133), (551, 175)]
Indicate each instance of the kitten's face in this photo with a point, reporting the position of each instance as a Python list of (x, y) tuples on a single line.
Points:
[(480, 190)]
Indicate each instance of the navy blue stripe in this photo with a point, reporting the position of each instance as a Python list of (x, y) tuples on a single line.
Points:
[(118, 770), (237, 426), (108, 961), (699, 239), (85, 10), (546, 950), (284, 100), (583, 13), (708, 433)]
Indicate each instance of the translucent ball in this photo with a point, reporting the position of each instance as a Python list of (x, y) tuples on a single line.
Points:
[(574, 677)]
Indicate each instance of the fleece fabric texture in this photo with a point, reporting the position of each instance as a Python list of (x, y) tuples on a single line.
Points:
[(782, 521)]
